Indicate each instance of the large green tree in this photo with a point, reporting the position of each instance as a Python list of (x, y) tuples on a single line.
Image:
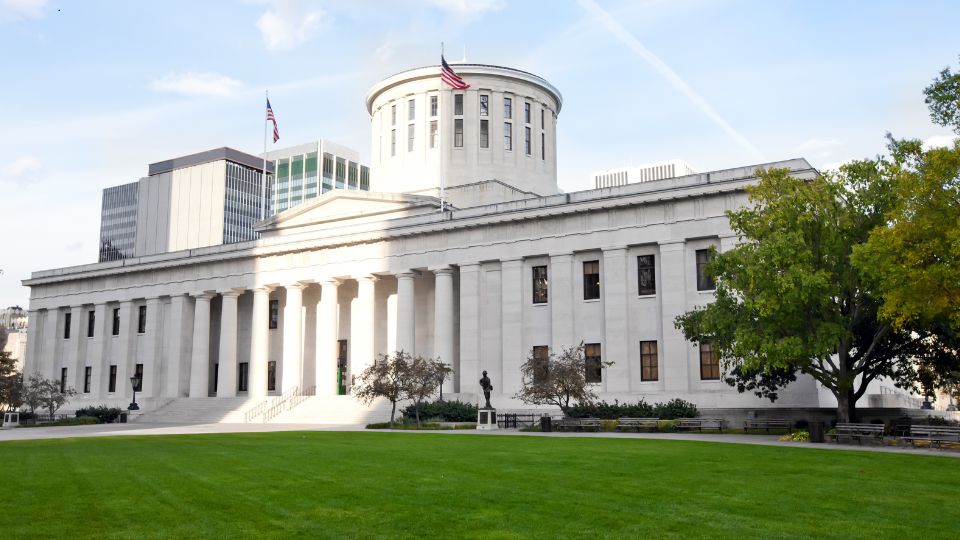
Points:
[(789, 296)]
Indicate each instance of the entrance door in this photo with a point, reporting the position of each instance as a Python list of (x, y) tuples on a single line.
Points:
[(341, 367)]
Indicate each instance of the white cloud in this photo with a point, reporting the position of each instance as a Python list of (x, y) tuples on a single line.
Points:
[(468, 7), (14, 10), (938, 141), (384, 52), (290, 23), (198, 84), (23, 165)]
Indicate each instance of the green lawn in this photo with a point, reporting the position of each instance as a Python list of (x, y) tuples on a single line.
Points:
[(422, 485)]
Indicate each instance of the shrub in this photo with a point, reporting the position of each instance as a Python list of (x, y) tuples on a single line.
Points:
[(669, 426), (465, 426), (534, 428), (379, 425), (798, 436), (446, 411), (801, 424), (671, 410), (103, 413), (607, 425)]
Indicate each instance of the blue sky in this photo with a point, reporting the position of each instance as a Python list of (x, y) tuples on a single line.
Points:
[(94, 91)]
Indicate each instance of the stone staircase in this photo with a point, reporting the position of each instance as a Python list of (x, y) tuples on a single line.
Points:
[(202, 410), (334, 410)]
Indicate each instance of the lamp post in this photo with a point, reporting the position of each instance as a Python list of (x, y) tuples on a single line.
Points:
[(134, 382)]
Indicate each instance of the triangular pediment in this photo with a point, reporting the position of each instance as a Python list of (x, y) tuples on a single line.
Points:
[(341, 207)]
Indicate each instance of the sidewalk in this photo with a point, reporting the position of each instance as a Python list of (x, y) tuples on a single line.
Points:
[(111, 430)]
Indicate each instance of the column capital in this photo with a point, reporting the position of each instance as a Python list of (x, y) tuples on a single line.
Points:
[(672, 245), (330, 282), (263, 289), (613, 250), (232, 293), (511, 263), (296, 285), (559, 256), (442, 270), (406, 274), (202, 295), (470, 267), (368, 278)]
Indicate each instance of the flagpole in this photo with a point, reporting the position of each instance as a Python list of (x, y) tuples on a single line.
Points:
[(441, 127), (263, 187)]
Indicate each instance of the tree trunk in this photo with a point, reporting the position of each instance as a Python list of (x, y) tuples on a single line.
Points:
[(417, 408), (392, 413), (846, 406)]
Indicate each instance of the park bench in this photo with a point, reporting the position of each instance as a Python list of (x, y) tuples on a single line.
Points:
[(858, 432), (934, 435), (577, 424), (767, 424), (638, 423), (699, 424)]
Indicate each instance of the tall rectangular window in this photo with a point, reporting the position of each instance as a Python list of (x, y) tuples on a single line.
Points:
[(393, 142), (646, 276), (484, 134), (591, 354), (116, 321), (411, 110), (112, 383), (271, 376), (540, 285), (526, 140), (393, 115), (434, 135), (142, 320), (507, 110), (508, 136), (526, 113), (66, 325), (541, 363), (648, 361), (543, 146), (591, 280), (87, 379), (458, 133), (274, 314), (63, 380), (243, 370), (484, 105), (433, 105), (91, 322), (704, 282), (709, 364), (138, 371), (458, 104), (411, 129), (216, 377), (543, 122)]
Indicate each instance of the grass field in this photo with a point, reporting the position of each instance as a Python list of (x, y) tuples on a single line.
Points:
[(423, 485)]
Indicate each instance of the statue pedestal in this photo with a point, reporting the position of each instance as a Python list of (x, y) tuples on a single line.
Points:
[(487, 419)]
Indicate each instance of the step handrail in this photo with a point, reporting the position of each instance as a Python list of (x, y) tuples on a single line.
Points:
[(280, 404), (255, 412), (300, 397)]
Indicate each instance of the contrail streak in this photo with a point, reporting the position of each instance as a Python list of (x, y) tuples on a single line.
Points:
[(614, 27)]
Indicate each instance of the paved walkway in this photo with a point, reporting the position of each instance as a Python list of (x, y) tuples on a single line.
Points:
[(109, 430)]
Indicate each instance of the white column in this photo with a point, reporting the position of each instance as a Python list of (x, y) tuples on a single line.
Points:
[(491, 325), (200, 358), (292, 336), (443, 319), (675, 349), (260, 342), (560, 294), (615, 346), (362, 326), (151, 348), (96, 351), (179, 340), (227, 376), (466, 376), (512, 279), (327, 323), (74, 360), (31, 363), (406, 313), (50, 348), (127, 348)]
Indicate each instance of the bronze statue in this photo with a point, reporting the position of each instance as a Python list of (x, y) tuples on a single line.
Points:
[(487, 388)]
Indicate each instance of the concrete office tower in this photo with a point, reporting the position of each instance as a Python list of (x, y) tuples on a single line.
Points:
[(499, 135), (307, 170), (195, 201), (641, 173)]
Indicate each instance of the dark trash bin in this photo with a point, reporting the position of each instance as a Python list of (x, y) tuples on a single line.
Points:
[(546, 424), (816, 431), (123, 418)]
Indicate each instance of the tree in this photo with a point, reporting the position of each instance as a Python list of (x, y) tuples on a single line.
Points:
[(386, 378), (423, 378), (32, 396), (11, 380), (790, 295), (943, 99), (52, 398), (557, 379)]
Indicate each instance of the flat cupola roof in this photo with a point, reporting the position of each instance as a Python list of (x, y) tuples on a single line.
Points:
[(216, 154)]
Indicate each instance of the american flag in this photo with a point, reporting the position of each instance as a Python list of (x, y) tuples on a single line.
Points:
[(270, 118), (450, 77)]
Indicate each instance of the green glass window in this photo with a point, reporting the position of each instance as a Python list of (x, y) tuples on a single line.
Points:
[(311, 164), (296, 165), (283, 168)]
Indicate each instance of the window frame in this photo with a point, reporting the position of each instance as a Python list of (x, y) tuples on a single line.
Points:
[(652, 268), (433, 106), (484, 105), (63, 380), (142, 320), (91, 322), (411, 133), (543, 146), (243, 377), (393, 114), (527, 142), (458, 104), (411, 110), (591, 289), (393, 143), (648, 366), (273, 314), (704, 283), (272, 376), (112, 380), (541, 355), (138, 370), (484, 134), (541, 284), (508, 108), (458, 133), (543, 122), (508, 136), (713, 363), (434, 134), (67, 323), (87, 379), (593, 363), (526, 113), (116, 322)]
